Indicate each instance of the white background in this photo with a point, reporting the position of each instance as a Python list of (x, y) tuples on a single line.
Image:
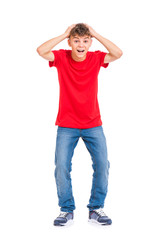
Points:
[(129, 104)]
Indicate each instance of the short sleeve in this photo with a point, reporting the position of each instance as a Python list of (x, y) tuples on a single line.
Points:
[(101, 56), (105, 65), (56, 59)]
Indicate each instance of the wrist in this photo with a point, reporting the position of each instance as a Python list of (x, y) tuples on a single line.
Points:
[(97, 36), (64, 35)]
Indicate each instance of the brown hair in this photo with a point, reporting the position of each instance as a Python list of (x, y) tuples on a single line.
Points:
[(80, 29)]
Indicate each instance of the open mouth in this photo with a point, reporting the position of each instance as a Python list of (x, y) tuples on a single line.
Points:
[(80, 51)]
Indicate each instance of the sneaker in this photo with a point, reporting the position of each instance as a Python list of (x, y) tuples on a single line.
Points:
[(98, 216), (65, 218)]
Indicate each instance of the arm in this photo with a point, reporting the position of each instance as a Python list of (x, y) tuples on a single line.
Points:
[(44, 50), (114, 51)]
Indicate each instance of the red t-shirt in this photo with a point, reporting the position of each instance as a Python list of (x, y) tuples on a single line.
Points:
[(78, 81)]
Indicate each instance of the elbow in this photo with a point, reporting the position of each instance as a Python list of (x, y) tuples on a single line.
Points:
[(39, 51), (119, 54)]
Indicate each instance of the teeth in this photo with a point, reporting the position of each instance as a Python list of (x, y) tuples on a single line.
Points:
[(80, 50)]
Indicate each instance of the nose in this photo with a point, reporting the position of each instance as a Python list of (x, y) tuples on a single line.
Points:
[(80, 43)]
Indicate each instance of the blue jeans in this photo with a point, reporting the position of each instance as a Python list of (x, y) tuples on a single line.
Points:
[(95, 141)]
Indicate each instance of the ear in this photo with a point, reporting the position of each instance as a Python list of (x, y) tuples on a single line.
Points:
[(69, 43)]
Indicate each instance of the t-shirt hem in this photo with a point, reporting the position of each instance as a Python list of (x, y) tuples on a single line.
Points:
[(78, 126)]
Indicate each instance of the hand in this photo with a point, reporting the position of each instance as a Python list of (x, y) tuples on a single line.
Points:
[(67, 32), (92, 31)]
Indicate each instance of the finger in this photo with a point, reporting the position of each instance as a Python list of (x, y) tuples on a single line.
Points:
[(87, 25), (73, 25)]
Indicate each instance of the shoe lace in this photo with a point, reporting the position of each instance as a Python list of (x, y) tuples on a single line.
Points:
[(100, 212), (63, 214)]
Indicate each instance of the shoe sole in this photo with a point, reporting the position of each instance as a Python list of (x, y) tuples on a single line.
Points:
[(94, 221), (68, 223)]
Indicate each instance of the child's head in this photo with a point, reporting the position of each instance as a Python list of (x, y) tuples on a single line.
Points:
[(80, 30), (80, 41)]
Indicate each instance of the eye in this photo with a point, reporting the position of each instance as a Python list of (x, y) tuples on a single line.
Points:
[(85, 41), (76, 41)]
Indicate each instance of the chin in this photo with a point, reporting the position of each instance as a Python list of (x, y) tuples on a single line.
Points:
[(81, 55)]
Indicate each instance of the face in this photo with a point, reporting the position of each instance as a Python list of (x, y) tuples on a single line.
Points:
[(80, 46)]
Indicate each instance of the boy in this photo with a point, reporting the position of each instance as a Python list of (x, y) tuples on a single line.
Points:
[(79, 116)]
